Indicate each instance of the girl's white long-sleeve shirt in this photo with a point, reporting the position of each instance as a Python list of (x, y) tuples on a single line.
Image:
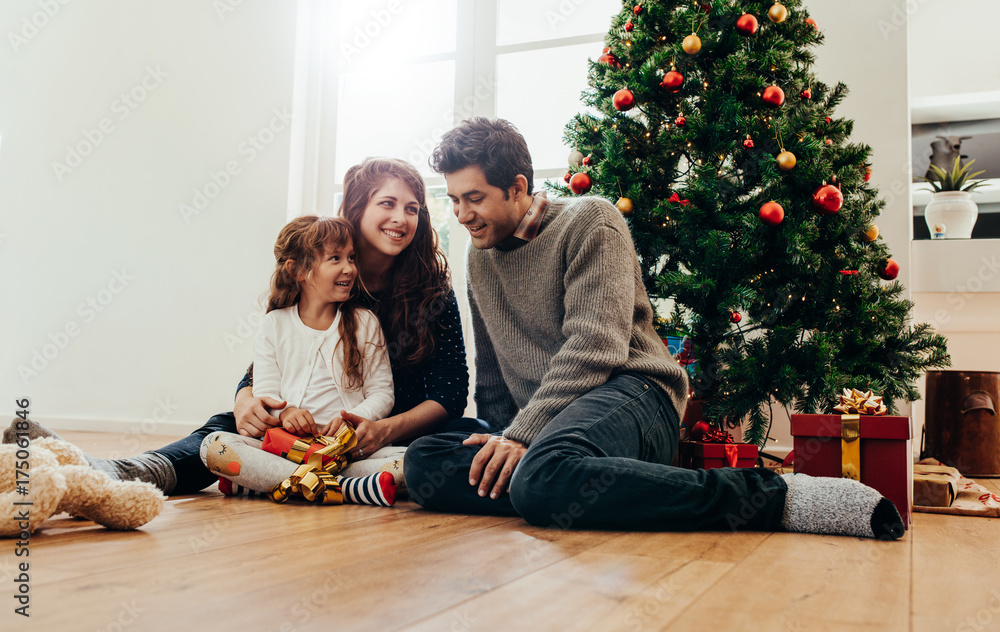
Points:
[(286, 353)]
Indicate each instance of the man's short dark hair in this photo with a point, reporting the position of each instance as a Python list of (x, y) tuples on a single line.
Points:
[(493, 145)]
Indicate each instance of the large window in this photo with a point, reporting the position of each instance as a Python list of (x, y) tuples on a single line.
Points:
[(389, 77)]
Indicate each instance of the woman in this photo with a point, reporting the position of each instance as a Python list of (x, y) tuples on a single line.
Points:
[(408, 287)]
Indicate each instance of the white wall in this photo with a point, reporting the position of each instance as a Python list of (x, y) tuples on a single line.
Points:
[(157, 349), (953, 47), (957, 306)]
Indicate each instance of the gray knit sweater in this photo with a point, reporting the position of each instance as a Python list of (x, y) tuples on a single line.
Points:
[(558, 316)]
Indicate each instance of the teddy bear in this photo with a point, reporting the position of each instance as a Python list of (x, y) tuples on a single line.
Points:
[(57, 478)]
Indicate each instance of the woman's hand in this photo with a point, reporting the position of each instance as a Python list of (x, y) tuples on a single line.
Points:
[(252, 418), (299, 422), (372, 435)]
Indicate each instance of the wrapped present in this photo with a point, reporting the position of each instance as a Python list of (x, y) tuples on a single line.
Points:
[(935, 485), (324, 453), (319, 458), (716, 449), (872, 449)]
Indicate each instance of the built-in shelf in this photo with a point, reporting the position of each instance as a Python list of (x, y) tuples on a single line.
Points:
[(955, 265)]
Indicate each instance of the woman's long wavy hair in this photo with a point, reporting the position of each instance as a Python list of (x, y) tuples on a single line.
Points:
[(419, 279), (301, 246)]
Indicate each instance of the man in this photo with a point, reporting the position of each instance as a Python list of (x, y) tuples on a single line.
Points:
[(581, 392)]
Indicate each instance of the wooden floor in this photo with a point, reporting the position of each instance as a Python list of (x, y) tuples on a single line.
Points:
[(209, 562)]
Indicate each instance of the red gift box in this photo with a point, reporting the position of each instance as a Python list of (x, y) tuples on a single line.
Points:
[(886, 458), (695, 455)]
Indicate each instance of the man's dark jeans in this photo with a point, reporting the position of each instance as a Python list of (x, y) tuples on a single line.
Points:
[(603, 462)]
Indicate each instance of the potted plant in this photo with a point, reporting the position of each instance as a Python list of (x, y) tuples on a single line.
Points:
[(951, 213)]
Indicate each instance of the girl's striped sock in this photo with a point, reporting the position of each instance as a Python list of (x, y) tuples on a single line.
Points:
[(377, 489)]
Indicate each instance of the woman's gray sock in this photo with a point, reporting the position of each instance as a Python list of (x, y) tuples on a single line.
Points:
[(838, 506), (149, 467), (26, 426)]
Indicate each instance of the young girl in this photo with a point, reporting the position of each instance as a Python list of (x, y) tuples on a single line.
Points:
[(317, 351)]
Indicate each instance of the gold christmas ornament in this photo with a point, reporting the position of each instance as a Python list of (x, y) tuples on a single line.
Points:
[(625, 206), (777, 13), (691, 44), (786, 160), (871, 233)]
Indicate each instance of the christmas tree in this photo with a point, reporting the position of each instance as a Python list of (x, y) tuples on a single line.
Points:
[(749, 207)]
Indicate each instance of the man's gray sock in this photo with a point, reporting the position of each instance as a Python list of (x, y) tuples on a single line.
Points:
[(26, 426), (838, 506), (149, 467)]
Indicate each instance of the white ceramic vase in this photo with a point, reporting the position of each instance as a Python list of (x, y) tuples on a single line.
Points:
[(951, 215)]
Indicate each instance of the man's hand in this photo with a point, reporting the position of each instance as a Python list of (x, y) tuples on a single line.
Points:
[(372, 435), (252, 418), (299, 422), (495, 463)]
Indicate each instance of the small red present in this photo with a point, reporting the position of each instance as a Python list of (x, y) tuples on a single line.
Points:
[(696, 455), (873, 449), (325, 453)]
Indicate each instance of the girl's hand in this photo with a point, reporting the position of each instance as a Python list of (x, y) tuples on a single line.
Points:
[(298, 421), (372, 435), (332, 428)]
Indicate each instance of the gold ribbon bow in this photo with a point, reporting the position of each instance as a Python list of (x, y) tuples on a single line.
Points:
[(854, 402), (311, 479)]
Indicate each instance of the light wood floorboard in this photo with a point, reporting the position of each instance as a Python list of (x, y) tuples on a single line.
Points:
[(209, 562)]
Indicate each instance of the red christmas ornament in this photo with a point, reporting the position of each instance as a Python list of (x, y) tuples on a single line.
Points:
[(746, 24), (580, 183), (867, 169), (812, 22), (806, 94), (680, 120), (828, 142), (629, 26), (748, 143), (828, 199), (771, 213), (624, 100), (607, 57), (828, 119), (773, 96), (587, 160), (734, 317), (699, 430), (706, 7), (567, 177), (889, 269), (672, 81), (637, 9)]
